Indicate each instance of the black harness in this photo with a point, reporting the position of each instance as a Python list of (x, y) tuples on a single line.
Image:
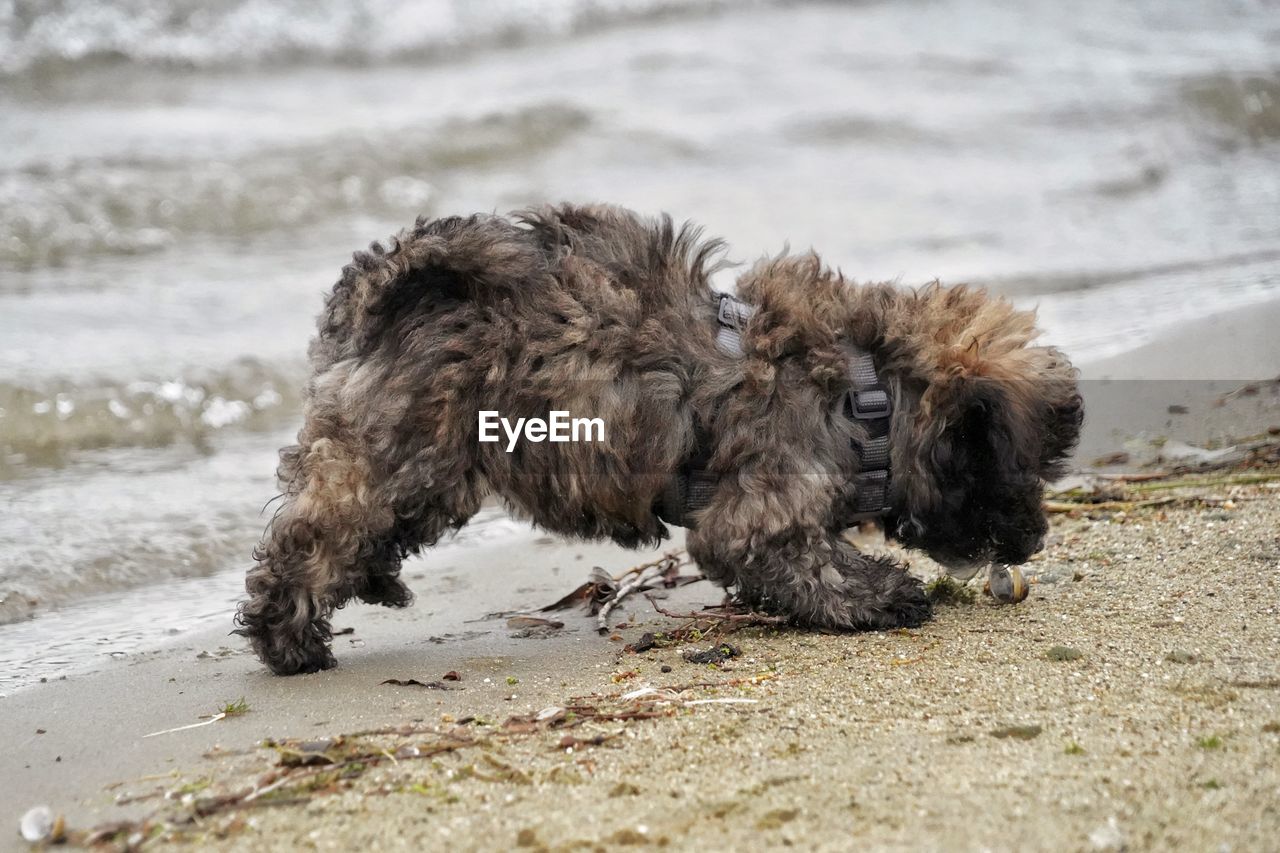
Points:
[(867, 402)]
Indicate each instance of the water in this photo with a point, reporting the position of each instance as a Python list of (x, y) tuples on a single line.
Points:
[(181, 181)]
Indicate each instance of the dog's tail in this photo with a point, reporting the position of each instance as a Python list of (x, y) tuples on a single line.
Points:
[(445, 261)]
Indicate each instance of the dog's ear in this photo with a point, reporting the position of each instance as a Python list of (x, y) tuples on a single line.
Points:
[(1007, 419), (1027, 396), (995, 421), (1063, 419), (974, 478)]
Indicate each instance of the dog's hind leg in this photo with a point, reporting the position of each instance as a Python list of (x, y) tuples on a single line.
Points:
[(813, 576), (334, 520), (346, 524), (419, 524)]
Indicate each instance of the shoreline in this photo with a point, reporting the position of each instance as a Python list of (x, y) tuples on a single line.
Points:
[(1239, 345)]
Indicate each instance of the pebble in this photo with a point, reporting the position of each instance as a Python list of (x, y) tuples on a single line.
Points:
[(1108, 836)]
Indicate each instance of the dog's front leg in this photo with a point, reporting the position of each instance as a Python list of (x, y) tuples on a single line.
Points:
[(814, 576)]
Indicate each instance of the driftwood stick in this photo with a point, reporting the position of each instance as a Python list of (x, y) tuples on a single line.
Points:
[(671, 558), (1076, 506), (652, 572), (723, 616), (635, 579)]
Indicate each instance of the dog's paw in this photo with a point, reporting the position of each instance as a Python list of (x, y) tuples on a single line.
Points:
[(289, 654), (907, 605), (298, 660), (386, 590), (880, 596)]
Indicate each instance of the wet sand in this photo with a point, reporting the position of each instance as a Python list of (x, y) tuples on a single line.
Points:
[(1190, 385), (79, 732), (1234, 346)]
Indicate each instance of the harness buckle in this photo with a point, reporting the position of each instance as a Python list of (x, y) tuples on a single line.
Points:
[(732, 312), (869, 404)]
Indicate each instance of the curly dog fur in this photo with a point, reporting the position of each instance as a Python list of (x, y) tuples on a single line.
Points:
[(598, 312)]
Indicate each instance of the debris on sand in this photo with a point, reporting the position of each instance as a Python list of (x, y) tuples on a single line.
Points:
[(664, 572), (1250, 461), (1007, 584), (1017, 732), (648, 640), (39, 825), (716, 654), (710, 619), (413, 682), (602, 593), (533, 627), (948, 590), (519, 622), (598, 589), (776, 818), (230, 709)]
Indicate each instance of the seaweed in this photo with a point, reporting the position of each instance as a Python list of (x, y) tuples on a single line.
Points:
[(948, 590)]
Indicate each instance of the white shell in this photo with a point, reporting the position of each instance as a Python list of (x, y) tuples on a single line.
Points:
[(37, 824)]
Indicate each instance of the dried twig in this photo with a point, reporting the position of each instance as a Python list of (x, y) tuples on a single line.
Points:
[(624, 589), (638, 578), (1241, 479), (717, 614), (1082, 506)]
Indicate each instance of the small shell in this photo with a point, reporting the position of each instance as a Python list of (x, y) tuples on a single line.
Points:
[(37, 824), (1007, 584)]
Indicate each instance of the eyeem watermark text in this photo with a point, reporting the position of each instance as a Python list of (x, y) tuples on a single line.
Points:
[(560, 427)]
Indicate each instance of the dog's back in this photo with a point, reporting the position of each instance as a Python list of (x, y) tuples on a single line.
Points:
[(592, 311), (606, 259)]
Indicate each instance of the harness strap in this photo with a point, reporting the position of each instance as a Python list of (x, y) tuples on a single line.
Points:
[(732, 315), (868, 401)]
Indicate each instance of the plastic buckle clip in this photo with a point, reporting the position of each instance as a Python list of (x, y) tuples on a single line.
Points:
[(726, 313), (869, 404)]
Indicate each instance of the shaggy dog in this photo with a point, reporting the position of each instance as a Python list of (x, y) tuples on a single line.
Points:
[(600, 313)]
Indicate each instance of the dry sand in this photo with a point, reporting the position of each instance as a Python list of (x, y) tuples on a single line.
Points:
[(1164, 732)]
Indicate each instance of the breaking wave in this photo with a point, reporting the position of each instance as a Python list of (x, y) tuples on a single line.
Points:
[(46, 423), (97, 207), (51, 34), (1238, 107)]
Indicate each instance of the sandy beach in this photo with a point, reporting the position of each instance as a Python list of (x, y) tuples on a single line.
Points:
[(181, 184), (1233, 346)]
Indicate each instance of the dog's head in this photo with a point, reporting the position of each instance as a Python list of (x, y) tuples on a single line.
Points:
[(981, 438)]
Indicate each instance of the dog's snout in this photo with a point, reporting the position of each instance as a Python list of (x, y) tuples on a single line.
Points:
[(1020, 549)]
